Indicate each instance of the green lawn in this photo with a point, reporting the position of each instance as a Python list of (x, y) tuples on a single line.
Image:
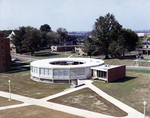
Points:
[(44, 54), (142, 71), (132, 90), (22, 84), (127, 62)]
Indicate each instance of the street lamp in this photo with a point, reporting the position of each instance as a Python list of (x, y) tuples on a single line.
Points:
[(9, 91), (65, 50), (144, 103)]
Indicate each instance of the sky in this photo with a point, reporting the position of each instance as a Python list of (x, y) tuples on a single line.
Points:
[(73, 15)]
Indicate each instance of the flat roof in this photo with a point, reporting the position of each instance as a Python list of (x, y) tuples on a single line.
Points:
[(87, 62), (104, 67)]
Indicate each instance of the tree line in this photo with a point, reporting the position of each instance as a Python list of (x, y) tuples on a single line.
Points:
[(109, 38), (31, 39)]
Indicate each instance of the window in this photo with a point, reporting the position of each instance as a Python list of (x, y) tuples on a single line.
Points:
[(2, 41), (66, 73), (61, 73), (50, 72), (2, 53), (2, 47), (2, 59), (36, 70), (42, 71), (3, 65), (46, 72), (75, 72), (1, 35), (31, 68), (55, 73)]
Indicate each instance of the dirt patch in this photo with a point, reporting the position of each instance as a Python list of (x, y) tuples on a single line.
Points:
[(34, 112), (89, 100)]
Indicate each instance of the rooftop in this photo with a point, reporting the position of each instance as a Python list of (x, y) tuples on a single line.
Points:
[(83, 62), (104, 67)]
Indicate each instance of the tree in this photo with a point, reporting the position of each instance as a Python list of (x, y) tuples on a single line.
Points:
[(18, 38), (115, 49), (106, 30), (32, 40), (52, 38), (63, 35), (89, 47), (45, 28), (128, 39), (43, 39)]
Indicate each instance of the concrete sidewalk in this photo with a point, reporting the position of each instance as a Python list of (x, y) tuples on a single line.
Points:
[(63, 93), (132, 113), (14, 106), (54, 106)]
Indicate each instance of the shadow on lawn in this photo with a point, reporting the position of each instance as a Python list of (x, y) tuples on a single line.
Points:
[(16, 64), (38, 54), (124, 79), (130, 57), (17, 70)]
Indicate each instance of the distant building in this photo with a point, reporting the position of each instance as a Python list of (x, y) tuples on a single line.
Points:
[(11, 35), (66, 48), (141, 35), (145, 50), (5, 58), (12, 46)]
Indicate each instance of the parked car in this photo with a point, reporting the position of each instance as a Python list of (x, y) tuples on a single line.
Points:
[(15, 59)]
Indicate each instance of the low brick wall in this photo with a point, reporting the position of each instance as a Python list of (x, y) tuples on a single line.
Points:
[(116, 73)]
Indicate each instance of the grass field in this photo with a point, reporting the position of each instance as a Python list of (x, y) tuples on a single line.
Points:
[(127, 62), (85, 98), (34, 112), (44, 54), (6, 102), (132, 90), (141, 71), (22, 84)]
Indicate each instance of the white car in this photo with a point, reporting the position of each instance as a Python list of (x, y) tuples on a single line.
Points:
[(15, 59)]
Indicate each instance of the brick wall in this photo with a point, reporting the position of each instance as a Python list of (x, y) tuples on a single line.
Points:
[(116, 73), (5, 58)]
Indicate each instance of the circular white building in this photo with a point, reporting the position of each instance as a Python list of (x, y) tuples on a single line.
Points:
[(63, 69)]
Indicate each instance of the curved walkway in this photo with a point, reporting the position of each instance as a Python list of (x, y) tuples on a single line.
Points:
[(132, 113)]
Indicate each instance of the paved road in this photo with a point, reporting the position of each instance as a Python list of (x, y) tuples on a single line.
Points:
[(127, 67), (24, 58), (138, 68)]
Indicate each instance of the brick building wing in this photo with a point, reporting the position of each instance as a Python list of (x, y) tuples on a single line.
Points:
[(5, 58)]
